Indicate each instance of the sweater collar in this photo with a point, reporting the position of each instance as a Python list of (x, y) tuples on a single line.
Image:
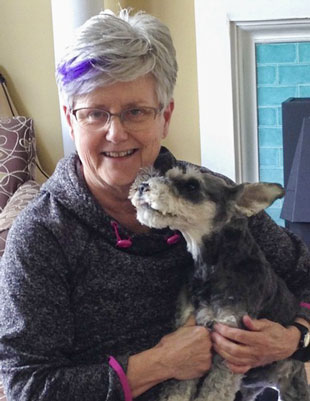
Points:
[(67, 187)]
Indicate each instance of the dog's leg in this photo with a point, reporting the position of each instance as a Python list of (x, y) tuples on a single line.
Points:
[(250, 394), (183, 390), (287, 376), (220, 383), (184, 308), (294, 387)]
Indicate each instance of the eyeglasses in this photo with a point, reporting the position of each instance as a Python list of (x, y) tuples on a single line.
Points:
[(135, 118)]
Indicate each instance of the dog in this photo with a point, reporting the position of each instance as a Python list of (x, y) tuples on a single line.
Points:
[(231, 277)]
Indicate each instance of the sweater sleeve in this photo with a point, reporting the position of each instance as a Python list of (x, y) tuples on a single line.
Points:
[(37, 326), (288, 256)]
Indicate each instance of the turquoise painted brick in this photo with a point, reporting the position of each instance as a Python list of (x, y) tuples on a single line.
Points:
[(276, 53), (294, 74), (304, 52), (267, 116), (273, 96), (266, 75), (269, 157), (279, 113), (304, 91), (281, 161), (275, 215), (270, 137), (271, 175), (278, 204)]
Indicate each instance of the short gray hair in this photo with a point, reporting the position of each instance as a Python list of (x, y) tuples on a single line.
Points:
[(111, 48)]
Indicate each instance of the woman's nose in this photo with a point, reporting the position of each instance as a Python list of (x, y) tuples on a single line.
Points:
[(116, 132)]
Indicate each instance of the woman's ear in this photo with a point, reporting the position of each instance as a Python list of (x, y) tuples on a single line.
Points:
[(68, 115), (167, 117)]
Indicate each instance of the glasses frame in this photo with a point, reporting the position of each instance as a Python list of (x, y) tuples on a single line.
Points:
[(156, 110)]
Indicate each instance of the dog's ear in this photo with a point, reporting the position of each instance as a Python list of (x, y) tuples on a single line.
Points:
[(253, 198)]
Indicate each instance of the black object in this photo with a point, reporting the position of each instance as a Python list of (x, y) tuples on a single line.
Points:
[(269, 394), (296, 149), (305, 335), (294, 110), (302, 353), (5, 91)]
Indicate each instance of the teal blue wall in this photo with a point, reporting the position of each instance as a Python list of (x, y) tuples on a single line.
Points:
[(283, 71)]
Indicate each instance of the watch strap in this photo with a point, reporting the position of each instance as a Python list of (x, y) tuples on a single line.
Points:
[(303, 331), (303, 353)]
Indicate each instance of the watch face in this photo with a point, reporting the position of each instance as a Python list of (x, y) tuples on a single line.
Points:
[(307, 340)]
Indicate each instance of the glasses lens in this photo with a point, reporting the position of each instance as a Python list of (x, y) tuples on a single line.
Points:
[(94, 118), (138, 117)]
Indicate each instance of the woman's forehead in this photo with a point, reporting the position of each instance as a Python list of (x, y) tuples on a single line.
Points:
[(121, 94)]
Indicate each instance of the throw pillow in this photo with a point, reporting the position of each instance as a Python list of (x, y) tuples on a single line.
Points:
[(23, 195), (17, 155)]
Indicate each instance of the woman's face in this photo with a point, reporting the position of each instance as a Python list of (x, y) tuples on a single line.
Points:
[(112, 156)]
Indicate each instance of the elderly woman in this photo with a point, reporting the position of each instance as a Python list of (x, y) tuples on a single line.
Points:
[(88, 295)]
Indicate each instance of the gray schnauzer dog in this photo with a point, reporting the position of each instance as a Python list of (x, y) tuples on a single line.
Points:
[(231, 278)]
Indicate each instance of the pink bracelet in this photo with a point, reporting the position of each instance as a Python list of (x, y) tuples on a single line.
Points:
[(122, 377), (304, 305)]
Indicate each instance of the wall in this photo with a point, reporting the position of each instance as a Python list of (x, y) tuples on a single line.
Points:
[(27, 61), (184, 136)]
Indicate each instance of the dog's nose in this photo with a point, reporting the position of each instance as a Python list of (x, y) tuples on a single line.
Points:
[(143, 188)]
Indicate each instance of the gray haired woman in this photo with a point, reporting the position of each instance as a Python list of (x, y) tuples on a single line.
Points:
[(88, 295)]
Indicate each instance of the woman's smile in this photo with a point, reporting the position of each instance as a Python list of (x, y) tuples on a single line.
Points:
[(119, 154)]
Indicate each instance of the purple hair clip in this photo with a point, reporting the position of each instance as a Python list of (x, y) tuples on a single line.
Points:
[(70, 73)]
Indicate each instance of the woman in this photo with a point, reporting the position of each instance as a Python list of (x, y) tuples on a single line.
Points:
[(81, 280)]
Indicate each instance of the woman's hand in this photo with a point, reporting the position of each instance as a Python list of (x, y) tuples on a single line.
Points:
[(186, 353), (183, 354), (264, 342)]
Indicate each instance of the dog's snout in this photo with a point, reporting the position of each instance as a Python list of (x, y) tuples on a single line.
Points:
[(143, 187)]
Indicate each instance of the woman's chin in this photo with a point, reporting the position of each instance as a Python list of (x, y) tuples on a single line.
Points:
[(121, 180)]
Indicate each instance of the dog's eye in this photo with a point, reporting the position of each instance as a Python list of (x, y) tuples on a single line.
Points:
[(192, 185), (189, 189), (187, 186)]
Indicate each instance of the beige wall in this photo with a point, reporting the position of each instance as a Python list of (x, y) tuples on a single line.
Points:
[(27, 61)]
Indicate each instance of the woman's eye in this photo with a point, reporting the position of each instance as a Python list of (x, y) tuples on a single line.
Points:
[(96, 115), (135, 112)]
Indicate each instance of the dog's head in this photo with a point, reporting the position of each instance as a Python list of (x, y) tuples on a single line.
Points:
[(194, 201)]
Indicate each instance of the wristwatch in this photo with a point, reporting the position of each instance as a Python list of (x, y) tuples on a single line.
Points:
[(305, 335)]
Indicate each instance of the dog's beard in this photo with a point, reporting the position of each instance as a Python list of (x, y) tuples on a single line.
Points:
[(151, 217), (152, 207)]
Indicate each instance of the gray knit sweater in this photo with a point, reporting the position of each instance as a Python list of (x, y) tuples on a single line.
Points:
[(70, 297)]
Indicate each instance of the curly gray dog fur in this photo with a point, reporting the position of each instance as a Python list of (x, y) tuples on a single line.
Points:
[(232, 277)]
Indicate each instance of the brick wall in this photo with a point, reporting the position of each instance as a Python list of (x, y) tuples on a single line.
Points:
[(283, 71)]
